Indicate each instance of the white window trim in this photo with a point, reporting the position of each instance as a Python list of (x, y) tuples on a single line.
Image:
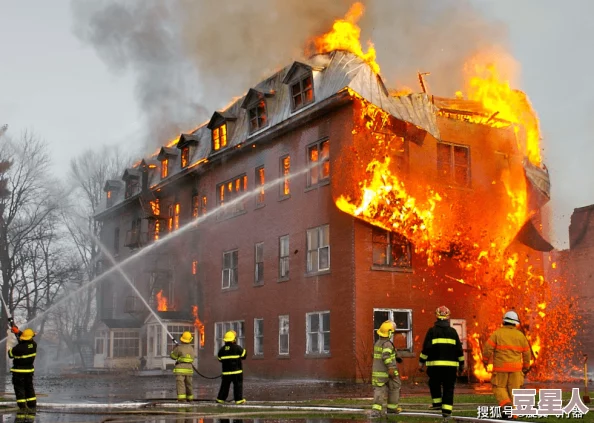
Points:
[(288, 334), (261, 353), (230, 271), (240, 336), (320, 334), (409, 334), (318, 230)]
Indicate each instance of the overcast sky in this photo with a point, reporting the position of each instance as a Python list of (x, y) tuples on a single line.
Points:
[(52, 82)]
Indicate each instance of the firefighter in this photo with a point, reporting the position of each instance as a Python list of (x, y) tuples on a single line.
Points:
[(510, 351), (384, 375), (443, 355), (230, 356), (23, 357), (184, 356)]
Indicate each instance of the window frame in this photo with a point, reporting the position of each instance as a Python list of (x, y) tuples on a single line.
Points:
[(320, 333), (185, 156), (259, 336), (257, 116), (301, 91), (124, 337), (285, 172), (392, 239), (281, 330), (408, 332), (219, 137), (260, 178), (259, 263), (165, 168), (233, 270), (284, 260), (447, 169), (232, 188), (322, 162), (310, 252), (219, 332)]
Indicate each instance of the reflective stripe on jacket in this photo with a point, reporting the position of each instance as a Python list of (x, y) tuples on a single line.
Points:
[(230, 356), (184, 356), (384, 358), (509, 348), (23, 356), (442, 346)]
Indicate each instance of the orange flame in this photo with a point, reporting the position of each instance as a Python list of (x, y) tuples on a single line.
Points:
[(198, 324), (346, 35), (162, 302)]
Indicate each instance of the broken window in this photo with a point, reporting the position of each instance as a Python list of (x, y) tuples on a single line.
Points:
[(318, 332), (402, 339), (302, 92), (219, 137), (185, 156), (390, 249), (283, 264), (259, 263), (230, 276), (285, 169), (318, 249), (453, 163), (257, 116), (283, 335), (318, 159), (230, 191), (164, 168), (260, 180), (258, 336), (223, 327)]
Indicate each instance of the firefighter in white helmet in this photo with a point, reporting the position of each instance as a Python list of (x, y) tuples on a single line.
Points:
[(443, 355), (510, 352), (384, 376)]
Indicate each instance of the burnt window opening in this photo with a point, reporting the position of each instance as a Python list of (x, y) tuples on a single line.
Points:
[(185, 156), (230, 274), (173, 219), (194, 267), (302, 92), (109, 196), (219, 137), (257, 116), (132, 187), (390, 249), (453, 164), (198, 206), (285, 170), (230, 191), (260, 181), (259, 263), (318, 161), (134, 235), (283, 261), (164, 168), (402, 339)]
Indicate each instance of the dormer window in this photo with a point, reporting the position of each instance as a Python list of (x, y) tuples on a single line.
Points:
[(187, 145), (219, 137), (257, 116), (185, 156), (167, 158), (132, 180), (164, 168), (302, 92), (112, 188), (109, 202)]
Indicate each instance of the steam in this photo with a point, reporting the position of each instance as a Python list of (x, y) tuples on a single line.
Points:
[(191, 57)]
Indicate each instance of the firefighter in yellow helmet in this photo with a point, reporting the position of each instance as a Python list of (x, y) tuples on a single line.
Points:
[(443, 355), (384, 375), (230, 355), (184, 356), (23, 357), (510, 352)]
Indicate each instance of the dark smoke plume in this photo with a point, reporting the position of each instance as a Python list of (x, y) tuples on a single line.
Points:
[(191, 57)]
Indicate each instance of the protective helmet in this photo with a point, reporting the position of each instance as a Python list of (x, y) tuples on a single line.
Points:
[(27, 335), (186, 338), (386, 329), (230, 336), (511, 317), (442, 313)]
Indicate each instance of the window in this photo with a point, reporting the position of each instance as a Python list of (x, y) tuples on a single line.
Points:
[(283, 335), (258, 336), (302, 92), (453, 163), (403, 340), (176, 331), (318, 157), (283, 262), (185, 156), (159, 345), (260, 180), (156, 229), (259, 263), (194, 267), (219, 137), (109, 201), (126, 344), (131, 187), (164, 168), (198, 206), (257, 116), (230, 259), (285, 168), (318, 249), (222, 327), (116, 241), (317, 327), (230, 191), (390, 249)]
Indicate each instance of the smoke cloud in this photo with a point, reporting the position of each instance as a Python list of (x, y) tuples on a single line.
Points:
[(191, 57)]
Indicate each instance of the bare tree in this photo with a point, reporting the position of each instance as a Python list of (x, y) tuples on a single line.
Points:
[(24, 205)]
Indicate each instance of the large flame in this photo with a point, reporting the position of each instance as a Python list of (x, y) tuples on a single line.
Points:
[(162, 302), (346, 35), (198, 324)]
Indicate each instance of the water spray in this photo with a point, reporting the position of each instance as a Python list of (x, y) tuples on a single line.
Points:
[(10, 318)]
